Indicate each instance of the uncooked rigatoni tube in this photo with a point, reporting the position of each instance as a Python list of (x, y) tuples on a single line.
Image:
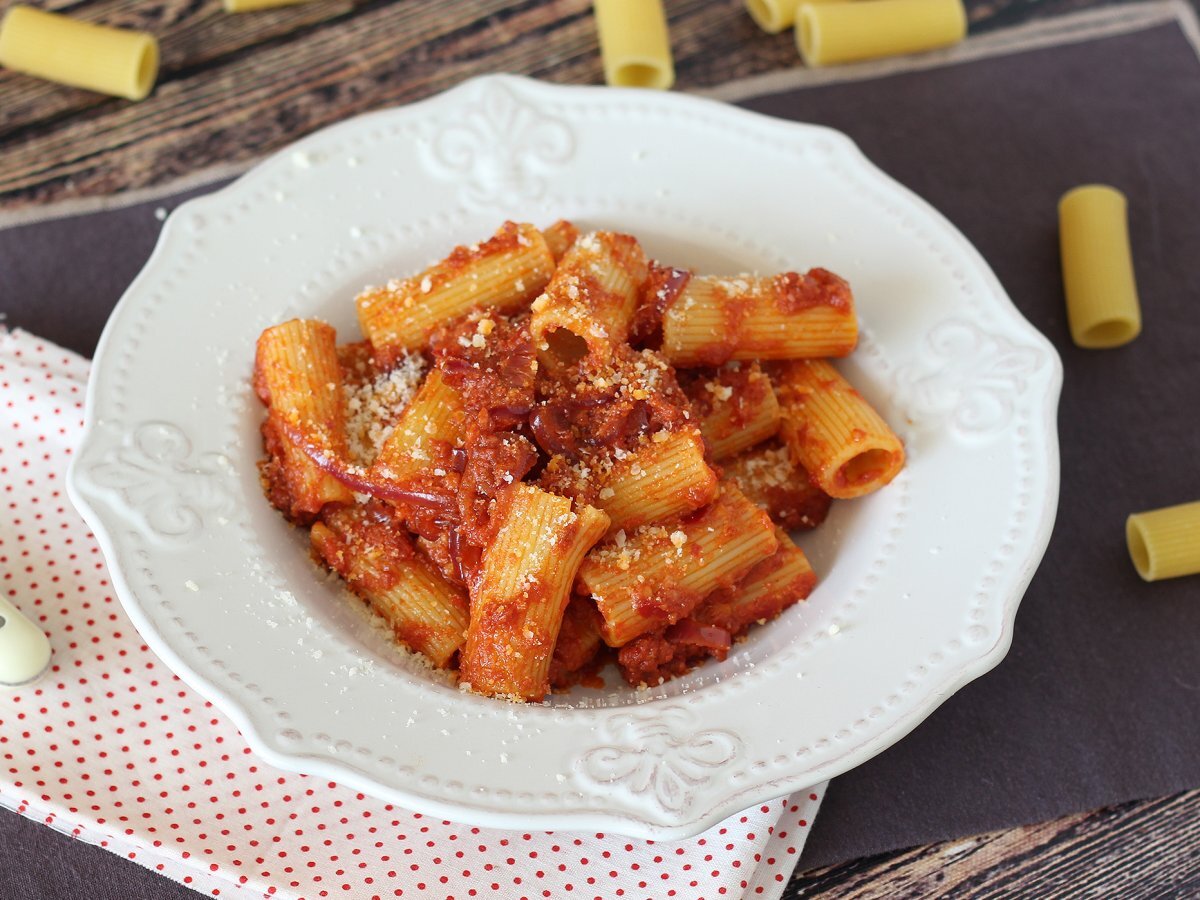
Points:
[(634, 43), (1165, 543), (239, 6), (58, 48), (1102, 300), (832, 33)]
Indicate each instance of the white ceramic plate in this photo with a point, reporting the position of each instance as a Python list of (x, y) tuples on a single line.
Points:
[(919, 583)]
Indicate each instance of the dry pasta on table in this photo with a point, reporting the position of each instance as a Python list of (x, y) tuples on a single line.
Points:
[(634, 43), (551, 452), (59, 48), (833, 33), (1102, 300)]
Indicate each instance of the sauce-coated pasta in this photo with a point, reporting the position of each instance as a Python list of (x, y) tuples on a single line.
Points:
[(551, 452)]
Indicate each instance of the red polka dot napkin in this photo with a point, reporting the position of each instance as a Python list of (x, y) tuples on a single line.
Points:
[(110, 747)]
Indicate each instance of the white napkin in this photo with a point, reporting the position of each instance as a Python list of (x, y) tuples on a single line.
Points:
[(110, 747)]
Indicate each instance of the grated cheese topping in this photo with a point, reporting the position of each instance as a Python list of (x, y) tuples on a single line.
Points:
[(765, 469), (373, 407), (720, 391)]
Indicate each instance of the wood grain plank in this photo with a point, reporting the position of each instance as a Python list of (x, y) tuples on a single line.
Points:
[(235, 87), (1143, 849)]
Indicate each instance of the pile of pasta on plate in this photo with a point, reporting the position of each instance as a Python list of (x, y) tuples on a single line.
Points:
[(550, 452)]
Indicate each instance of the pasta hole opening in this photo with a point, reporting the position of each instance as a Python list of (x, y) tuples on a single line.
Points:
[(767, 15), (867, 467), (1139, 551), (807, 35), (640, 75), (1112, 333), (566, 346), (147, 71)]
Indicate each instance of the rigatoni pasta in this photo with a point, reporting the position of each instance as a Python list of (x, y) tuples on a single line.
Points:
[(240, 6), (560, 237), (634, 43), (660, 573), (772, 480), (523, 589), (551, 451), (788, 316), (736, 405), (58, 48), (505, 272), (1097, 265), (764, 592), (376, 557), (773, 16), (833, 432), (1165, 543), (425, 434), (589, 303), (780, 580), (832, 33), (664, 479), (298, 377)]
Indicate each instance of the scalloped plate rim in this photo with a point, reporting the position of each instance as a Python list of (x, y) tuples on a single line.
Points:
[(935, 691)]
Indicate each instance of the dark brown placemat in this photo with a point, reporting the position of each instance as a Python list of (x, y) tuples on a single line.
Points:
[(1099, 699)]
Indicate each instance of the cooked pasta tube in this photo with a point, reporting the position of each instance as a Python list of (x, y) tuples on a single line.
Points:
[(832, 33), (835, 434), (590, 301), (634, 43), (770, 479), (114, 61), (374, 554), (660, 573), (764, 592), (736, 405), (524, 586), (1102, 299), (425, 433), (663, 479), (776, 583), (560, 237), (297, 376), (505, 272), (787, 316), (1165, 543)]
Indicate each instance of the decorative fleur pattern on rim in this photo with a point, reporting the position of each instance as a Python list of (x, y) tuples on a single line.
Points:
[(155, 474), (968, 379), (659, 756), (498, 147)]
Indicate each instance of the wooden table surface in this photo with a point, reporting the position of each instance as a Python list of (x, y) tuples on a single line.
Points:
[(235, 87)]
